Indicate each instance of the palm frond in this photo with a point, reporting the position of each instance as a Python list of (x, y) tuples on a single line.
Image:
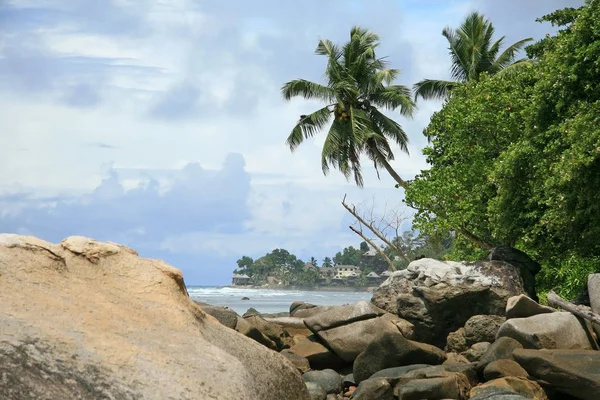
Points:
[(308, 126), (393, 97), (508, 56), (389, 128), (433, 89), (308, 90)]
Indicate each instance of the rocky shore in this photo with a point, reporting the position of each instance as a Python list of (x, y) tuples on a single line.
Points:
[(90, 320)]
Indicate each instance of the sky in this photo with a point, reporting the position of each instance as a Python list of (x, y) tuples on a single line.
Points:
[(160, 124)]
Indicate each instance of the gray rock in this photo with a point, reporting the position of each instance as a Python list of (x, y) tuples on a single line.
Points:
[(348, 341), (574, 372), (594, 293), (482, 328), (449, 387), (397, 372), (279, 336), (301, 363), (328, 379), (559, 330), (224, 315), (373, 389), (248, 330), (319, 356), (502, 348), (476, 351), (438, 297), (348, 380), (522, 306), (342, 315), (498, 396), (503, 368), (307, 312), (394, 350), (315, 391)]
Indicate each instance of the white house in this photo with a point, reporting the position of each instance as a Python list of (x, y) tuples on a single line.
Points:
[(346, 271)]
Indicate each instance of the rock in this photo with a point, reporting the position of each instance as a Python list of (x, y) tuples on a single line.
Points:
[(397, 372), (279, 336), (559, 330), (294, 326), (394, 350), (498, 396), (438, 297), (348, 341), (476, 351), (482, 328), (300, 363), (332, 397), (246, 329), (574, 372), (301, 312), (93, 320), (328, 379), (299, 305), (455, 358), (509, 385), (373, 389), (224, 315), (502, 348), (527, 267), (250, 312), (456, 341), (245, 298), (593, 287), (503, 368), (342, 315), (449, 387), (319, 356), (315, 391), (522, 306)]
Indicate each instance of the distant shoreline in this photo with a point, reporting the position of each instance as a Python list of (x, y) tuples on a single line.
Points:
[(369, 289)]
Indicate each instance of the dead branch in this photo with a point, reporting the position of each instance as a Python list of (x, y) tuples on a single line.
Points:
[(372, 229), (370, 242), (579, 310)]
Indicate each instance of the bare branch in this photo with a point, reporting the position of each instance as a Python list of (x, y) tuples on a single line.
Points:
[(370, 242), (579, 310)]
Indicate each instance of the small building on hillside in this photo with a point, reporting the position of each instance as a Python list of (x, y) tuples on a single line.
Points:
[(386, 274), (344, 271), (326, 274), (240, 280), (373, 278), (370, 253)]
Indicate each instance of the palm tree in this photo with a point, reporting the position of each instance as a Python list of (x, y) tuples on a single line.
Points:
[(358, 84), (472, 53)]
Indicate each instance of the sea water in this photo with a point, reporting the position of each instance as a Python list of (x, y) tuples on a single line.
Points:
[(270, 300)]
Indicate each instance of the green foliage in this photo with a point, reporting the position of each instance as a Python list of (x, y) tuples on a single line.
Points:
[(473, 53), (515, 157), (348, 256), (358, 85)]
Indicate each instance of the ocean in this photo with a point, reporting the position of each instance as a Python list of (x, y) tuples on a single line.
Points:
[(270, 300)]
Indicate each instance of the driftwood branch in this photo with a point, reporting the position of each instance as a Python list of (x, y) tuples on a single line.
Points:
[(352, 210), (370, 242), (581, 311)]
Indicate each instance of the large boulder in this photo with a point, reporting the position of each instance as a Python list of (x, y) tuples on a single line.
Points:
[(319, 356), (347, 330), (574, 372), (593, 287), (522, 306), (527, 267), (438, 297), (558, 330), (510, 385), (89, 320)]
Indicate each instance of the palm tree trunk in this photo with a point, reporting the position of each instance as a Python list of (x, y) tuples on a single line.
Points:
[(393, 173)]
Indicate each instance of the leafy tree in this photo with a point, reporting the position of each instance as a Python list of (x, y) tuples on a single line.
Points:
[(327, 262), (244, 265), (473, 53), (364, 246), (348, 256), (313, 262), (358, 85)]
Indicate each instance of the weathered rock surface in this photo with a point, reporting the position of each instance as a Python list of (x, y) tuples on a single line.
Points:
[(509, 385), (559, 330), (456, 341), (319, 356), (475, 352), (300, 363), (574, 372), (348, 338), (328, 379), (89, 320), (527, 267), (315, 391), (274, 332), (224, 315), (502, 348), (482, 328), (522, 306), (438, 297), (374, 389), (394, 350), (503, 368), (593, 287), (448, 387)]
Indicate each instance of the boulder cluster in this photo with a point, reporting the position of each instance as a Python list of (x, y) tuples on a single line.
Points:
[(89, 320)]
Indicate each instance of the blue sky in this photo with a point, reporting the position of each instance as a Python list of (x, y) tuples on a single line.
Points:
[(160, 124)]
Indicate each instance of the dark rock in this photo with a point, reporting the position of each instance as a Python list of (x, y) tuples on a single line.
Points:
[(224, 315), (455, 358), (449, 387), (522, 306), (574, 372), (246, 329), (456, 341), (476, 351), (482, 328), (348, 380), (503, 368), (394, 350), (245, 298), (300, 363), (273, 331), (528, 268), (559, 330), (439, 297), (397, 372), (315, 391), (328, 379), (319, 356), (299, 305), (373, 389), (306, 312), (593, 287), (501, 349), (342, 315), (510, 385)]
